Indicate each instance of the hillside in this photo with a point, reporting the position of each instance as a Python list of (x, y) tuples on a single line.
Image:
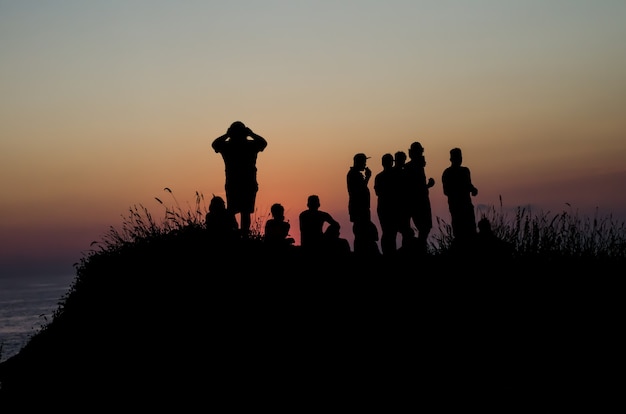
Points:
[(181, 322)]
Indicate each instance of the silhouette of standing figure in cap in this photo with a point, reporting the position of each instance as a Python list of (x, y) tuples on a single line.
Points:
[(365, 231), (240, 155)]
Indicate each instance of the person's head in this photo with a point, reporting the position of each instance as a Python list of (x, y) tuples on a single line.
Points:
[(416, 150), (387, 161), (360, 161), (400, 158), (313, 202), (484, 226), (456, 156), (217, 204), (238, 130), (278, 211)]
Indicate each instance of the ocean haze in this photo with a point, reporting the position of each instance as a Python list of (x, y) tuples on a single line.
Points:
[(26, 304)]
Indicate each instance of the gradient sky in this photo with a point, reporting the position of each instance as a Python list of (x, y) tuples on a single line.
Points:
[(104, 104)]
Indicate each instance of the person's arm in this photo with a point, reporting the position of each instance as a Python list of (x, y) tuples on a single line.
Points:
[(261, 142), (331, 221), (368, 174), (218, 143), (473, 190)]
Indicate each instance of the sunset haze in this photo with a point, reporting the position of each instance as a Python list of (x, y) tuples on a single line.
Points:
[(103, 105)]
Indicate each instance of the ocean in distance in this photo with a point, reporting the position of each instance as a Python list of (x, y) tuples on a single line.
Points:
[(26, 304)]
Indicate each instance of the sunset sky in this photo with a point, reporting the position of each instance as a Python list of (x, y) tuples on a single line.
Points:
[(105, 104)]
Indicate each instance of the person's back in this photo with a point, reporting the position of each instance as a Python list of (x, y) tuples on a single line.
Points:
[(489, 245), (334, 245), (240, 155), (276, 228), (220, 223), (312, 221)]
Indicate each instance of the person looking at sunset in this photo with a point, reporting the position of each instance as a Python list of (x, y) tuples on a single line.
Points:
[(312, 222), (458, 187), (417, 195), (365, 231), (239, 148), (220, 223), (277, 228), (386, 189)]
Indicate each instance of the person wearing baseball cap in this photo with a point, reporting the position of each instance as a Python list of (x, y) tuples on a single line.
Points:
[(365, 231), (360, 158)]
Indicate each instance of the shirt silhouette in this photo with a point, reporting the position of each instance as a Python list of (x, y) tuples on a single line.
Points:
[(239, 148), (276, 228), (220, 223), (312, 222)]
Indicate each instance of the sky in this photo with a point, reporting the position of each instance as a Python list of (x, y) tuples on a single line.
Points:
[(103, 105)]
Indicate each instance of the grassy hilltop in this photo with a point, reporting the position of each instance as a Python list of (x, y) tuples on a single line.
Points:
[(159, 315)]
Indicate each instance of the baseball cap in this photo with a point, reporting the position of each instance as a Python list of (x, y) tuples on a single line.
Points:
[(360, 155), (416, 146)]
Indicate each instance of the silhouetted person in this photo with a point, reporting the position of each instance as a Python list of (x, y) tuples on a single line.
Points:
[(239, 148), (488, 244), (386, 189), (418, 197), (402, 209), (277, 229), (365, 231), (312, 222), (334, 245), (220, 223), (458, 187)]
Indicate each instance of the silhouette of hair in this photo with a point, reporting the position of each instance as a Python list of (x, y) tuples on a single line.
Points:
[(237, 128), (313, 201), (484, 225), (277, 210), (400, 156), (217, 203)]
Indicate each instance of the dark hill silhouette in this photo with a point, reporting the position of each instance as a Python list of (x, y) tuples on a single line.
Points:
[(179, 322)]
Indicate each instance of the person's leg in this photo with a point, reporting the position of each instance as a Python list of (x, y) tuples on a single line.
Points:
[(245, 224), (389, 231)]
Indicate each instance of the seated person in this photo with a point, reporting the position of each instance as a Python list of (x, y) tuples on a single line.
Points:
[(220, 223), (276, 228), (335, 245), (312, 223)]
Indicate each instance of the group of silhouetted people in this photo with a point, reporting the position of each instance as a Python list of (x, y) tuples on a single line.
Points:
[(403, 202)]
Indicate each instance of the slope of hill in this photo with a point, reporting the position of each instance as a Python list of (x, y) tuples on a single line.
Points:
[(177, 322)]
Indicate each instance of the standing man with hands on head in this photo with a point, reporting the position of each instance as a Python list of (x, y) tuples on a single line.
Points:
[(239, 147)]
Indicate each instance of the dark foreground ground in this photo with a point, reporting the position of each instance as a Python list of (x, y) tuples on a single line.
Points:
[(175, 326)]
